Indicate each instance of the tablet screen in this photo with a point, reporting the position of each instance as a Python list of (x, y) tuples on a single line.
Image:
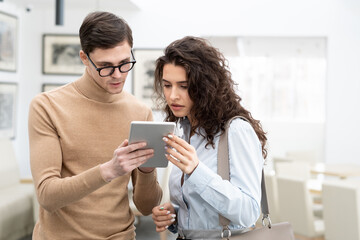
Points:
[(152, 133)]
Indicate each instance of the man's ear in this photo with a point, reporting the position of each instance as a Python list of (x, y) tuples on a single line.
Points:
[(83, 57)]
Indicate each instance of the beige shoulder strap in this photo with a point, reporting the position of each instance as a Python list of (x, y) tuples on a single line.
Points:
[(223, 169)]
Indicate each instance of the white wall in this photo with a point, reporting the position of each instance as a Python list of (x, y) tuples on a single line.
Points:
[(156, 25)]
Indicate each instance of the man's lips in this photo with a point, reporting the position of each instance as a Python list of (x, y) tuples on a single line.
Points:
[(116, 83)]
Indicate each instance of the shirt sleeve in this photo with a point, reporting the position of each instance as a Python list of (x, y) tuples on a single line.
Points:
[(239, 199)]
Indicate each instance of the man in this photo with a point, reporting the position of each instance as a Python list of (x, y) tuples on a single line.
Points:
[(80, 172)]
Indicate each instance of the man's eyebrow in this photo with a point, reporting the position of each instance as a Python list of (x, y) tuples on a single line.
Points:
[(109, 63)]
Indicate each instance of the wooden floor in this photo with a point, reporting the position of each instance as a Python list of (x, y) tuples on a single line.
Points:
[(306, 238)]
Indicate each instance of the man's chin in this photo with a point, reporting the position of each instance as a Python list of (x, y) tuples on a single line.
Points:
[(115, 89)]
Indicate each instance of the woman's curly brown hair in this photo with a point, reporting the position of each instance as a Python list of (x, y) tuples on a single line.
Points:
[(210, 87)]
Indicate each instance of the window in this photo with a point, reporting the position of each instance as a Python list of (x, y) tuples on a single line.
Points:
[(279, 78)]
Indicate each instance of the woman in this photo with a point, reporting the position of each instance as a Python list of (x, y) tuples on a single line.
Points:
[(194, 84)]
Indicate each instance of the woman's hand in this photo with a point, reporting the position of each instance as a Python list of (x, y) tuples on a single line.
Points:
[(184, 156), (163, 216)]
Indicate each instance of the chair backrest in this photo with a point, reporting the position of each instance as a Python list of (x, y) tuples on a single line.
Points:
[(310, 156), (163, 175), (9, 170), (299, 170), (163, 178), (341, 202), (295, 205), (277, 160)]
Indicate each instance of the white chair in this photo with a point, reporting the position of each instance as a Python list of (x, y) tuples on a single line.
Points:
[(296, 206), (310, 156), (16, 199), (341, 200), (277, 160), (163, 178), (299, 170)]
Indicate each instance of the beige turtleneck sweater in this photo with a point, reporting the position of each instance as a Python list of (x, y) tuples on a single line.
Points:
[(72, 130)]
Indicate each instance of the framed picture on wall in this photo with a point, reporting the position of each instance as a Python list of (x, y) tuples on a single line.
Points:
[(8, 96), (143, 75), (61, 55), (50, 86), (8, 42)]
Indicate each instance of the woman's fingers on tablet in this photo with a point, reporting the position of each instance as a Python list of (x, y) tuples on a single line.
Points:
[(180, 146), (176, 155), (181, 153), (179, 141)]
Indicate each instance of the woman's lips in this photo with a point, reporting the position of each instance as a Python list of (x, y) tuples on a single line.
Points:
[(176, 107)]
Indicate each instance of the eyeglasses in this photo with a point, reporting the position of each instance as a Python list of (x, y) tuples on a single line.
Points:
[(107, 71)]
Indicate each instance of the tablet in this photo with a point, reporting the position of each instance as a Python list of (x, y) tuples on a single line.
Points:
[(152, 133)]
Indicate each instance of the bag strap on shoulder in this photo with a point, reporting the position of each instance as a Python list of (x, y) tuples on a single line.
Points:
[(223, 169)]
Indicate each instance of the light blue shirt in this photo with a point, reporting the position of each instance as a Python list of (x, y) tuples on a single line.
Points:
[(204, 194)]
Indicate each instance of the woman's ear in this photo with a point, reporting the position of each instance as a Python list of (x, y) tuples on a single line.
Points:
[(83, 57)]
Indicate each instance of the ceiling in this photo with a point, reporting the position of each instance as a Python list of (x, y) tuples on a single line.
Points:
[(74, 4)]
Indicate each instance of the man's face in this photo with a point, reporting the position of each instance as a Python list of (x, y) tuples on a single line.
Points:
[(114, 83)]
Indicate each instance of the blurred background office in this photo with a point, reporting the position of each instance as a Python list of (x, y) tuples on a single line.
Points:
[(297, 65)]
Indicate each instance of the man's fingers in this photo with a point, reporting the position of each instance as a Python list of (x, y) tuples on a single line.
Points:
[(135, 146), (124, 143), (141, 153)]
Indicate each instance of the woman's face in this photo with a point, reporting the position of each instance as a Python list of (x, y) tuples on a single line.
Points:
[(175, 87)]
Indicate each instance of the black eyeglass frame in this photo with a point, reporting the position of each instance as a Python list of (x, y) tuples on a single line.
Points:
[(113, 67)]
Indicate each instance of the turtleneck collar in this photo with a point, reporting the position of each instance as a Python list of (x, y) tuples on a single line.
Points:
[(90, 89)]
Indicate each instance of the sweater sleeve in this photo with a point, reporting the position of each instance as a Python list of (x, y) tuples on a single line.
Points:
[(52, 190), (147, 191)]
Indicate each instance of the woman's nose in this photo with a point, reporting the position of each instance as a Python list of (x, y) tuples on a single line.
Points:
[(174, 93)]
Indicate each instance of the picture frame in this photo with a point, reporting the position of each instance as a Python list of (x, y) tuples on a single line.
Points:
[(8, 42), (61, 54), (50, 86), (143, 75), (8, 102)]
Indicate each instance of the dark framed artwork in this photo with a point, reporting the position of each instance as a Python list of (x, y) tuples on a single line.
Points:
[(8, 100), (8, 42), (143, 75), (50, 86), (61, 54)]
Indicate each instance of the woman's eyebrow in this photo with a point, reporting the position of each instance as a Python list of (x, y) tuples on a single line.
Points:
[(180, 82)]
